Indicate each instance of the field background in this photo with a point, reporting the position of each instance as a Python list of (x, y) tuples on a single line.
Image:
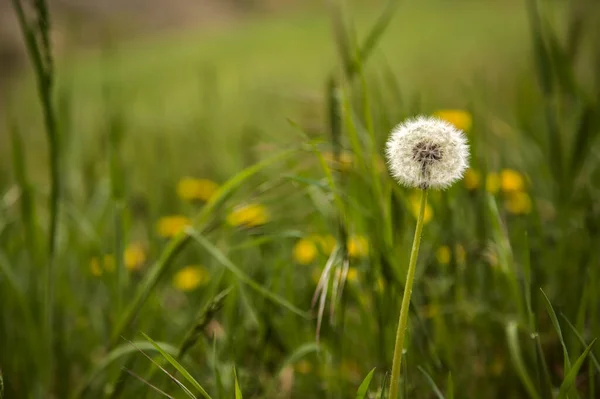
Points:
[(146, 97)]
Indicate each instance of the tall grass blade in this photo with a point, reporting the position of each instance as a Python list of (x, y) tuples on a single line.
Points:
[(516, 355), (438, 393), (450, 387), (361, 393), (556, 325), (238, 391), (582, 342), (155, 388), (178, 367), (243, 277), (570, 377), (111, 357)]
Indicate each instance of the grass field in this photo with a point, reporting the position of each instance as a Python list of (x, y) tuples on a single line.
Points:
[(208, 180)]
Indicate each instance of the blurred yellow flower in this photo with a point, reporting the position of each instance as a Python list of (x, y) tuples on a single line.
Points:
[(472, 179), (443, 255), (358, 247), (95, 267), (170, 226), (518, 203), (305, 251), (415, 206), (303, 367), (492, 183), (189, 189), (190, 277), (135, 256), (344, 162), (511, 180), (459, 118), (250, 215)]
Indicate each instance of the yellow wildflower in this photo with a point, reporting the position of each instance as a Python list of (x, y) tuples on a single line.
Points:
[(303, 367), (305, 251), (189, 189), (443, 255), (170, 226), (352, 274), (95, 267), (135, 256), (511, 181), (343, 164), (415, 206), (190, 277), (518, 203), (250, 215), (461, 119), (358, 247), (472, 179), (492, 183)]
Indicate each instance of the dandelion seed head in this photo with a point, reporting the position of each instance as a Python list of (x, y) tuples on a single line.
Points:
[(427, 152)]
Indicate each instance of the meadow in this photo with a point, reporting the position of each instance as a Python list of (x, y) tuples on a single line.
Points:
[(209, 213)]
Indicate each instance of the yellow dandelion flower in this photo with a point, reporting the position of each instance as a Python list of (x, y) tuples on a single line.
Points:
[(305, 251), (109, 263), (460, 253), (415, 207), (472, 179), (511, 181), (351, 276), (190, 189), (95, 267), (358, 247), (250, 215), (190, 277), (518, 203), (343, 164), (460, 119), (170, 226), (492, 183), (303, 367), (135, 256), (443, 255)]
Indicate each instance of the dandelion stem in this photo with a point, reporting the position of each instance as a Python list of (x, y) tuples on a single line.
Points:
[(402, 323)]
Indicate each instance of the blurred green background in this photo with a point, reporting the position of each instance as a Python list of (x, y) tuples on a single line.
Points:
[(170, 116)]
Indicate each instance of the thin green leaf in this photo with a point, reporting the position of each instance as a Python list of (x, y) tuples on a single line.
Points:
[(431, 383), (114, 355), (384, 384), (515, 352), (238, 391), (583, 343), (364, 385), (243, 277), (556, 324), (178, 367), (450, 387), (572, 374)]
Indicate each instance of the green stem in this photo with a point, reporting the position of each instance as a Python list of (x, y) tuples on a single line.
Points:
[(402, 323)]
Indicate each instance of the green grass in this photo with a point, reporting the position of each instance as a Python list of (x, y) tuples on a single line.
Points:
[(513, 311)]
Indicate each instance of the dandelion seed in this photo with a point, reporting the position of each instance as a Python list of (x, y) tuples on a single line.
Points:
[(427, 153)]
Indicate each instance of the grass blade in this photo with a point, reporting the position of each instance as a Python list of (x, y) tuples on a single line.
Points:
[(243, 277), (431, 383), (364, 385), (515, 352), (582, 341), (238, 391), (178, 367), (569, 380), (450, 387), (554, 319)]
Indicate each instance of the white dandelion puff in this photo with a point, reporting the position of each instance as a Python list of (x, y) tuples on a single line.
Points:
[(427, 152)]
